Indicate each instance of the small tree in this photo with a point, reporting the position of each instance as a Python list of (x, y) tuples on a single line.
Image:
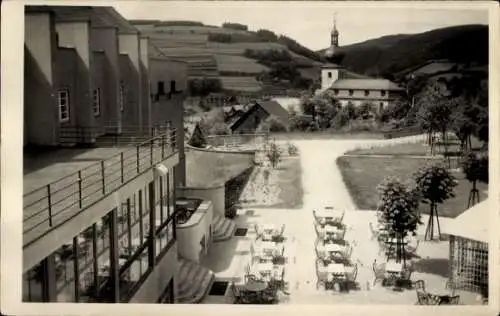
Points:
[(475, 169), (436, 185), (292, 149), (274, 154), (398, 205)]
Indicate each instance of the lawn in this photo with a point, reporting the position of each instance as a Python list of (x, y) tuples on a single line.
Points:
[(280, 188), (362, 175), (290, 184), (412, 149)]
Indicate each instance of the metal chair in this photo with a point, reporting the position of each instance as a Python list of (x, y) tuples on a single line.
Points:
[(450, 286), (378, 271)]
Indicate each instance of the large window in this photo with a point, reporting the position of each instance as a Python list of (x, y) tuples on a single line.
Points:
[(121, 100), (63, 105), (84, 264), (96, 102)]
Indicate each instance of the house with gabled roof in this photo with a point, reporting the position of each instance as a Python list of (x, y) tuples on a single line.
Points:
[(257, 114)]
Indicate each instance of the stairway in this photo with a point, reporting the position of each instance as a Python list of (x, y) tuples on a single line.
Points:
[(223, 228), (193, 282)]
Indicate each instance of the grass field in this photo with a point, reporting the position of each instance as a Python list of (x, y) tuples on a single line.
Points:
[(290, 183), (238, 64), (362, 175), (240, 83)]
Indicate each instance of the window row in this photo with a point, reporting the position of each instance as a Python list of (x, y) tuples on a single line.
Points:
[(82, 270), (63, 102), (366, 92)]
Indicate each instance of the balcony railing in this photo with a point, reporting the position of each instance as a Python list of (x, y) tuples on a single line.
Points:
[(111, 134), (50, 206)]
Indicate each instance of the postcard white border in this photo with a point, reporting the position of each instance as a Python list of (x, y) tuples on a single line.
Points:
[(12, 57)]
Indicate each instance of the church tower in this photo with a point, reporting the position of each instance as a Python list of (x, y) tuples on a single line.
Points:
[(334, 42)]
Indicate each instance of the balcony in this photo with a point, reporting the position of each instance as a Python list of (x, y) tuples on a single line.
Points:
[(50, 205)]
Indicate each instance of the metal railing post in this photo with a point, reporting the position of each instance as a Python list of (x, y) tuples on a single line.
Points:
[(121, 167), (80, 188), (49, 205), (138, 165), (151, 152), (163, 146), (103, 178)]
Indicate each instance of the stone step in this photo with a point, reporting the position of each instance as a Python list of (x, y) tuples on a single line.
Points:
[(221, 228), (199, 286), (225, 232), (201, 292), (186, 282)]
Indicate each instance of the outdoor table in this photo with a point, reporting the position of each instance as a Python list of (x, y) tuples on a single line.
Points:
[(268, 248), (394, 241), (256, 286), (336, 269), (329, 215), (332, 247), (394, 267)]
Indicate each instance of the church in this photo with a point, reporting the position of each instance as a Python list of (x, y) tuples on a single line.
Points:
[(350, 87)]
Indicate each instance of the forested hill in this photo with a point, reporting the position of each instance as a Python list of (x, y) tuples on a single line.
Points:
[(396, 53)]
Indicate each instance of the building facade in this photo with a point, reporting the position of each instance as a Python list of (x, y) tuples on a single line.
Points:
[(104, 230)]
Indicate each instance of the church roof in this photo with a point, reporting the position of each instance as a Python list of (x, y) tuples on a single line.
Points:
[(365, 84)]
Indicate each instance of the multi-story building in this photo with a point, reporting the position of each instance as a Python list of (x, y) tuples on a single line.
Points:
[(350, 87), (104, 154)]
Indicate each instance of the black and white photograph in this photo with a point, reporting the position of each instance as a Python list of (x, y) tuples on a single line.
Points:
[(259, 153)]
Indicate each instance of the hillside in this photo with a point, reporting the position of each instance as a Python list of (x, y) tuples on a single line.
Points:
[(396, 53), (219, 52)]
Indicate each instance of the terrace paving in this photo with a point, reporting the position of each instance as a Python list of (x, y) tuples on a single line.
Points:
[(323, 185)]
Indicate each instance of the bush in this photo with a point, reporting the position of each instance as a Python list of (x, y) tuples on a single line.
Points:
[(235, 26), (292, 150), (220, 37)]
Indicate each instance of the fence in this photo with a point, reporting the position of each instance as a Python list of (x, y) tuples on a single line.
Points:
[(55, 203), (111, 134), (403, 132), (237, 140)]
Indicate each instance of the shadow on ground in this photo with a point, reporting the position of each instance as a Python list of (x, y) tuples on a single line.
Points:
[(437, 266)]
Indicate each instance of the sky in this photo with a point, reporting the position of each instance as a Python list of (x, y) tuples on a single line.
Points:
[(310, 23)]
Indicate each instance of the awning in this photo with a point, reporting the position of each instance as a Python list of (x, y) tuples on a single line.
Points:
[(471, 224)]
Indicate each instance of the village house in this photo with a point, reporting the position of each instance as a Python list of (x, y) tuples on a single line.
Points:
[(257, 114)]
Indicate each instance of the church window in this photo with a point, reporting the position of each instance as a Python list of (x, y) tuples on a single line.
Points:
[(329, 74)]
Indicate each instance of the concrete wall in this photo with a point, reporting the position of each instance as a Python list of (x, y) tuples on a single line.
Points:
[(40, 109), (144, 73), (170, 109), (194, 232), (130, 79), (77, 35), (105, 39), (129, 44), (52, 240), (99, 68), (159, 278), (216, 195)]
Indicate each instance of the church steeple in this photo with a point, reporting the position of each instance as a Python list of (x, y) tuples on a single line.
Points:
[(335, 33)]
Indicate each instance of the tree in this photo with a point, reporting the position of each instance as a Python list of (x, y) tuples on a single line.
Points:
[(398, 205), (434, 113), (274, 154), (462, 124), (436, 185), (475, 169), (365, 111)]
